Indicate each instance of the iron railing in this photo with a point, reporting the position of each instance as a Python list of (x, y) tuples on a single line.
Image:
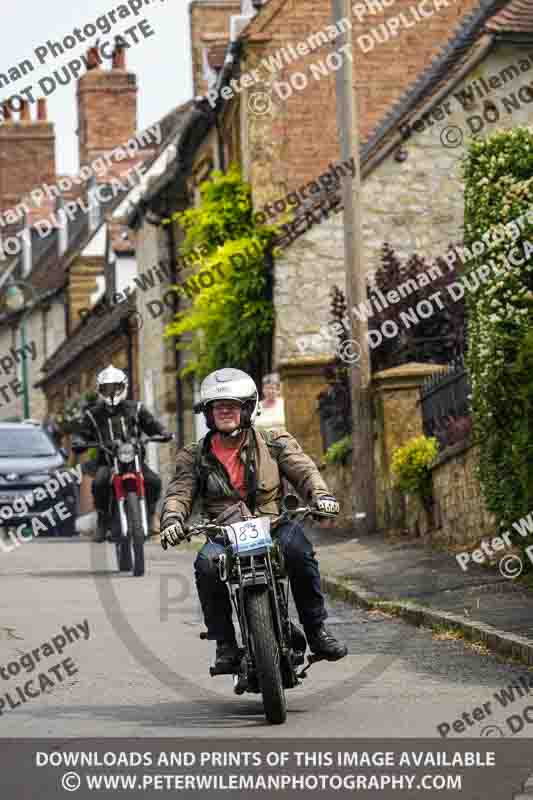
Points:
[(445, 399)]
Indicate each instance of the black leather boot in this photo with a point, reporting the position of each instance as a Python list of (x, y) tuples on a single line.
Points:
[(323, 643), (227, 657)]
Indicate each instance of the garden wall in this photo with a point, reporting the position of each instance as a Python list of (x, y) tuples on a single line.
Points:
[(338, 478), (460, 518)]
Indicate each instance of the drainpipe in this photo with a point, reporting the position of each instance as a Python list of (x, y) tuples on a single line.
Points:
[(220, 144), (25, 388), (180, 437), (126, 330), (269, 294)]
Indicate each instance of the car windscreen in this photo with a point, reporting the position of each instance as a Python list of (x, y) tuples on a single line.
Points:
[(25, 443)]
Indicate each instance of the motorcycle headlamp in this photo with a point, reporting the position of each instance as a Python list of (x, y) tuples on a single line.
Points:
[(126, 453)]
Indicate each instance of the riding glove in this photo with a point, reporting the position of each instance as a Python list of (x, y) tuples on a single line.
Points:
[(326, 503), (173, 535)]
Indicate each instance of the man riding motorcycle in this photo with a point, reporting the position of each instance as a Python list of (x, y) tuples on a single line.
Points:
[(112, 388), (235, 464)]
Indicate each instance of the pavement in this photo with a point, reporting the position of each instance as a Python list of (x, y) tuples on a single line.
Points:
[(428, 587)]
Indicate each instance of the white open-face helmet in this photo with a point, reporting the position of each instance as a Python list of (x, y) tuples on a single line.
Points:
[(112, 386), (229, 384)]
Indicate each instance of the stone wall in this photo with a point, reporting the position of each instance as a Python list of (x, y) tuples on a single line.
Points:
[(338, 478), (303, 278), (157, 366), (415, 204), (45, 328), (302, 381), (397, 419), (460, 518)]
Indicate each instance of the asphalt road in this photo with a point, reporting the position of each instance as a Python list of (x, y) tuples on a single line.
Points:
[(143, 671)]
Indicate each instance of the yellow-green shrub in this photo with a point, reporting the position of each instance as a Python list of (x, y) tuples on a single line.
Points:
[(410, 465)]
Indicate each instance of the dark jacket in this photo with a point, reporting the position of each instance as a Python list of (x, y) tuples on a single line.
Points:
[(94, 426), (275, 455)]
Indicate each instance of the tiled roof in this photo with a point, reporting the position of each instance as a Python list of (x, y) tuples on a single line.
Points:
[(97, 326), (179, 124), (173, 121), (516, 17), (49, 272), (93, 329)]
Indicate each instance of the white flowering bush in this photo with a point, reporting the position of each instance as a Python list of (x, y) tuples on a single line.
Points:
[(498, 174)]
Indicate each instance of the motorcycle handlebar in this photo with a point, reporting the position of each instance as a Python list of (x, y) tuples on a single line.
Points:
[(207, 527), (211, 528), (159, 439)]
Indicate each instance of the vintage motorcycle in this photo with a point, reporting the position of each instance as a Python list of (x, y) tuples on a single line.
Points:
[(128, 509), (272, 646)]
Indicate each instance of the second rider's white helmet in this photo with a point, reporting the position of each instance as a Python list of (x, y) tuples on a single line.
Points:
[(112, 386), (229, 384)]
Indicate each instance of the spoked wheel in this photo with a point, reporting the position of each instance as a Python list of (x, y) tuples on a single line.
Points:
[(135, 526), (267, 658)]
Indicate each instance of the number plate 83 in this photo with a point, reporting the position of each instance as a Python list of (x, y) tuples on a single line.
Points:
[(249, 535)]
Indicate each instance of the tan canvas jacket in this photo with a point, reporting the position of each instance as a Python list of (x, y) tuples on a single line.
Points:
[(278, 455)]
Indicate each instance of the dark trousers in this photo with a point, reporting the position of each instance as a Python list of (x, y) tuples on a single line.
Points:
[(101, 488), (304, 579)]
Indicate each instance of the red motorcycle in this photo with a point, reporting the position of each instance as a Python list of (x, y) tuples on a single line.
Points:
[(128, 510)]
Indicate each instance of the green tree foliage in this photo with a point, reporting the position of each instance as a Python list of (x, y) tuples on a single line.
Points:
[(338, 452), (230, 320)]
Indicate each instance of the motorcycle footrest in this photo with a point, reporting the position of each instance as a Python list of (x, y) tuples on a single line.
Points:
[(226, 669), (311, 659), (298, 659)]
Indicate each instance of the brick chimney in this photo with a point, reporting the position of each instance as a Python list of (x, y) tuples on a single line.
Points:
[(209, 26), (27, 153), (107, 105)]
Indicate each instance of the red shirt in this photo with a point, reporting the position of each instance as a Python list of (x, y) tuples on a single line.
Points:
[(230, 457)]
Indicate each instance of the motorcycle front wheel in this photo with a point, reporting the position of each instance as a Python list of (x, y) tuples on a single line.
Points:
[(136, 532), (124, 556), (122, 546), (266, 653)]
